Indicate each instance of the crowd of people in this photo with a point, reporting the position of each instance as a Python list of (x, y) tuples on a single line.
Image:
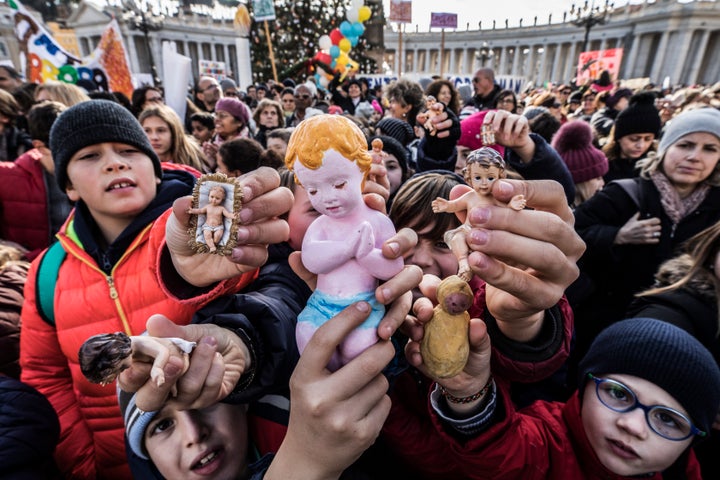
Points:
[(594, 338)]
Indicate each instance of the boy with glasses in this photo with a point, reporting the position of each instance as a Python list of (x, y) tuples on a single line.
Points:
[(648, 391)]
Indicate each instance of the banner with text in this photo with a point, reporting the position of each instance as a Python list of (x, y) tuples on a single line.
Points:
[(443, 20), (42, 58), (590, 64), (401, 11)]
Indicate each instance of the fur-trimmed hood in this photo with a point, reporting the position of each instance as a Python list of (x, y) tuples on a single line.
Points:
[(703, 283)]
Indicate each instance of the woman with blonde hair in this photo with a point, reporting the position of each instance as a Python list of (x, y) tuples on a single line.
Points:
[(65, 93), (168, 139), (632, 226)]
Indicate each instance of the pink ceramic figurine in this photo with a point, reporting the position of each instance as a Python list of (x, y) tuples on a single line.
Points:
[(330, 159)]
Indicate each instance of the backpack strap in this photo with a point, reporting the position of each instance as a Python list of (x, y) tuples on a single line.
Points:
[(632, 188), (46, 279)]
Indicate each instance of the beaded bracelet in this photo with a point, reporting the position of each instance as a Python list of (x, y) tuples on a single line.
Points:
[(469, 399)]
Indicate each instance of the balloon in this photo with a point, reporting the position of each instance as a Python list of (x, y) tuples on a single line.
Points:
[(358, 29), (346, 28), (352, 15), (342, 59), (335, 36), (345, 45), (354, 40), (333, 64), (357, 4), (323, 81), (325, 43), (364, 13), (323, 57), (335, 51)]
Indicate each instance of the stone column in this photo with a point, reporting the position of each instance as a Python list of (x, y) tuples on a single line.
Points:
[(658, 62), (692, 75), (684, 41)]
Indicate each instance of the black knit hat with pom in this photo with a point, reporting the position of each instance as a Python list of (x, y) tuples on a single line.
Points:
[(574, 144), (640, 116)]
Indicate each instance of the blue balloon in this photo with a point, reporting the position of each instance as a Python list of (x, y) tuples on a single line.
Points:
[(333, 64), (354, 40), (334, 51), (346, 28), (358, 29)]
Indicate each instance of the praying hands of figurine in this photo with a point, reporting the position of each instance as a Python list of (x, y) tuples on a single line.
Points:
[(103, 357)]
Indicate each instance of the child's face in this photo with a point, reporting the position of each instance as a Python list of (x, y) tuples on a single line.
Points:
[(334, 189), (461, 162), (222, 167), (432, 255), (394, 172), (201, 132), (301, 215), (624, 442), (277, 145), (159, 135), (211, 443), (482, 178), (116, 181)]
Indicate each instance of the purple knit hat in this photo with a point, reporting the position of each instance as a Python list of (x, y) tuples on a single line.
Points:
[(574, 144), (234, 107)]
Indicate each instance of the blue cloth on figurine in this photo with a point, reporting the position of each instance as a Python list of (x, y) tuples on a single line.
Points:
[(321, 307)]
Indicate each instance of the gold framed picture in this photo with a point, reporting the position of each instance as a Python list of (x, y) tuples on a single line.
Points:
[(214, 214)]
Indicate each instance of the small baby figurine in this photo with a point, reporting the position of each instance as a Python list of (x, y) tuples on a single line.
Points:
[(445, 346), (103, 357), (425, 118), (215, 215), (484, 166), (330, 159)]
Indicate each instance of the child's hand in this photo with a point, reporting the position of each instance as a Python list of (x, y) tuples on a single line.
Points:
[(476, 373), (528, 258), (263, 201), (216, 365), (334, 417)]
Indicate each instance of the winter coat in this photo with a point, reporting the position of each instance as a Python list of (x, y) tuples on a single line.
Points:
[(99, 291), (618, 272), (545, 441), (12, 282), (29, 431), (487, 102), (410, 430), (621, 168), (24, 216)]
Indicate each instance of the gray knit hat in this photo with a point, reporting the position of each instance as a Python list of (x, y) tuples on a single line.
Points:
[(136, 421), (706, 120), (663, 354), (92, 122)]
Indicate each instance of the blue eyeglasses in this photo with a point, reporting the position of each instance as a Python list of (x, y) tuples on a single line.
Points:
[(665, 421)]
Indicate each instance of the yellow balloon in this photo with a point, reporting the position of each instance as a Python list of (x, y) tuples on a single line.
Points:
[(345, 45), (342, 59), (364, 13)]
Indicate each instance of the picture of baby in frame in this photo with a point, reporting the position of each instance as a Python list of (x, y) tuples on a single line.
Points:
[(216, 205)]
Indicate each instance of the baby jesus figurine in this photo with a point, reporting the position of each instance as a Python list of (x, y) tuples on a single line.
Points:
[(425, 118), (215, 215), (103, 357), (330, 159), (484, 166)]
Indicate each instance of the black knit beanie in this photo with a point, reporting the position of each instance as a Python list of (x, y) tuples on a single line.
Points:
[(393, 147), (92, 122), (640, 116), (398, 129), (663, 354)]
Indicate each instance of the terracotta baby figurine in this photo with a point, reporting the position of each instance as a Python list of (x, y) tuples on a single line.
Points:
[(484, 166), (330, 159), (215, 215), (103, 357), (445, 346)]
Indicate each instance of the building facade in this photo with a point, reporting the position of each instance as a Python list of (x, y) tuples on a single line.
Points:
[(663, 39)]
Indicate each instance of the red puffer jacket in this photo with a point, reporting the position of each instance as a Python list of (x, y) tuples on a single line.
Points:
[(88, 302), (23, 203)]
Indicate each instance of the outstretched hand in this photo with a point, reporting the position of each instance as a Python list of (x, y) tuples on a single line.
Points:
[(263, 201), (216, 365), (528, 258), (334, 417)]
